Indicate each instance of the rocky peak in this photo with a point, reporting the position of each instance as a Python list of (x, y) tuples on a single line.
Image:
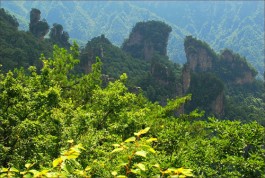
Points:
[(200, 56), (147, 39), (237, 70), (226, 68)]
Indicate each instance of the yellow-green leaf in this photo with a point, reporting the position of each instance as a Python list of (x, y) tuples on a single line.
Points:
[(141, 166), (87, 168), (117, 150), (34, 172), (116, 145), (151, 140), (28, 165), (114, 173), (187, 172), (157, 165), (57, 161), (142, 131), (72, 156), (151, 150), (121, 176), (12, 169), (131, 139), (70, 141), (141, 153)]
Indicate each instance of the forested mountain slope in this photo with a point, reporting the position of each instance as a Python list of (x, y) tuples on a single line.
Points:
[(230, 24), (51, 113), (19, 48)]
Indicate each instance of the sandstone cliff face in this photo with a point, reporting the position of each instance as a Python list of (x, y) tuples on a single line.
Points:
[(135, 38), (186, 78), (149, 51), (217, 105), (247, 78), (200, 61)]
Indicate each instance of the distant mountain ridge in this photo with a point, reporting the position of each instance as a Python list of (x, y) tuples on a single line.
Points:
[(235, 25)]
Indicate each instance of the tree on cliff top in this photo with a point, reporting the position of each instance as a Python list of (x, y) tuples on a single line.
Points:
[(151, 36)]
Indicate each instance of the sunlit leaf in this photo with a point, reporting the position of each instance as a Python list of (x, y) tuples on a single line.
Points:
[(187, 172), (57, 161), (151, 150), (70, 141), (121, 176), (28, 165), (131, 139), (117, 150), (87, 168), (142, 131), (116, 145), (151, 140), (12, 169), (34, 172), (156, 165), (141, 153), (141, 166), (114, 173)]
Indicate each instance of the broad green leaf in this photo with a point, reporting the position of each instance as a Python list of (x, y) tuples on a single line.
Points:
[(117, 150), (131, 139), (141, 166), (141, 153)]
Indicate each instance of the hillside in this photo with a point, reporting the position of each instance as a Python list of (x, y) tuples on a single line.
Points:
[(235, 25)]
